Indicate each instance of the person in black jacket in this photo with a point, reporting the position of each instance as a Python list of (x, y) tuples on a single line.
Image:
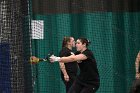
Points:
[(68, 70), (88, 80)]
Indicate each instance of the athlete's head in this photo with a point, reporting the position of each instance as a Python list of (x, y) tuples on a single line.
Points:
[(68, 42), (81, 44)]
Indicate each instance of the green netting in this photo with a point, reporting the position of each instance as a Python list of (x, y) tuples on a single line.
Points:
[(114, 40)]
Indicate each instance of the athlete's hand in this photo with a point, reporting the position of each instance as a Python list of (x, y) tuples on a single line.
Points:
[(66, 77), (137, 75), (54, 58)]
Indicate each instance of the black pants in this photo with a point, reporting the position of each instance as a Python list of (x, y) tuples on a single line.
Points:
[(135, 88), (78, 87), (70, 82)]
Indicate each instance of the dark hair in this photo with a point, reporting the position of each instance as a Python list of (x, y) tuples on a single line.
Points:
[(84, 40), (65, 41)]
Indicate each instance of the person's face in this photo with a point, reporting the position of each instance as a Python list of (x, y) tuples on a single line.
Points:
[(72, 42), (79, 45)]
